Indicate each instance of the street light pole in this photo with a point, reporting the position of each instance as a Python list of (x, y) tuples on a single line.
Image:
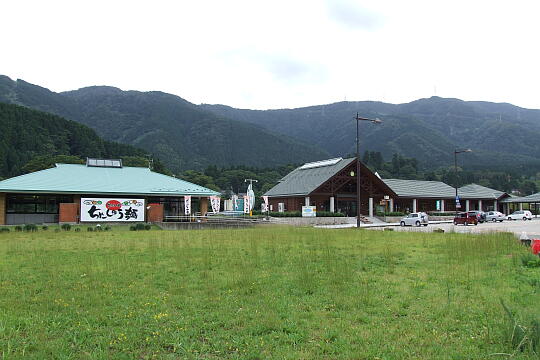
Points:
[(358, 119), (456, 151)]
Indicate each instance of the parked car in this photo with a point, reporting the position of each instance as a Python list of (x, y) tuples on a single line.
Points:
[(466, 218), (416, 219), (520, 215), (495, 216), (480, 215)]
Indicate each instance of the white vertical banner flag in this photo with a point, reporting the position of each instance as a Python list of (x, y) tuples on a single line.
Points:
[(215, 201), (187, 204), (246, 204), (265, 199), (235, 202), (251, 196)]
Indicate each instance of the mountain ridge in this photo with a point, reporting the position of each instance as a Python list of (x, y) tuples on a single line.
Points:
[(447, 123), (191, 136), (184, 135)]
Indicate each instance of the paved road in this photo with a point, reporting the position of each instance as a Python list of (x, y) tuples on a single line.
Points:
[(532, 227)]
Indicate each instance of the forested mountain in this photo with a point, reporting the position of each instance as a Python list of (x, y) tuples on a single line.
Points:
[(184, 135), (501, 135), (187, 136), (31, 138)]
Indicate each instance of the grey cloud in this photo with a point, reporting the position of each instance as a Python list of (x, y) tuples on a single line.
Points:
[(282, 67), (288, 69), (350, 14)]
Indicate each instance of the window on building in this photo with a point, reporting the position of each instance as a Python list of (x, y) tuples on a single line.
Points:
[(36, 204)]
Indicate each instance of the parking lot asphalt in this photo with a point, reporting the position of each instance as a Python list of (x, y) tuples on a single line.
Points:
[(530, 227)]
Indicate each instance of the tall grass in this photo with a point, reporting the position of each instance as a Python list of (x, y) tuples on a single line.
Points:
[(281, 293)]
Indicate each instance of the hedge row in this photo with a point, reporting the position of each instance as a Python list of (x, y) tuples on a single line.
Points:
[(392, 213)]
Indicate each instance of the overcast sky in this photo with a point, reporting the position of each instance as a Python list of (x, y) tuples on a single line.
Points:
[(276, 54)]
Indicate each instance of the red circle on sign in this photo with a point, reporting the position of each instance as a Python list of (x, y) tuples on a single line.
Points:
[(113, 205)]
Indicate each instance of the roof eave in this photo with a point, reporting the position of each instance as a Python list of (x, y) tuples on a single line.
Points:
[(11, 191)]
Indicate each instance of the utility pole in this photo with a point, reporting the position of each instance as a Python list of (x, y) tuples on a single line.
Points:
[(358, 119), (456, 151)]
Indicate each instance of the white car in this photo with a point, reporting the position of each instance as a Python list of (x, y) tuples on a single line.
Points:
[(520, 215), (495, 216), (416, 219)]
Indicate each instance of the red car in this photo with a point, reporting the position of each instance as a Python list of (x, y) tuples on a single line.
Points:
[(466, 218)]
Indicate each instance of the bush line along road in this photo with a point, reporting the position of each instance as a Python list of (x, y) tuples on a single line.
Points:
[(282, 293)]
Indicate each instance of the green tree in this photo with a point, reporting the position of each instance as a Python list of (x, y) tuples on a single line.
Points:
[(46, 162)]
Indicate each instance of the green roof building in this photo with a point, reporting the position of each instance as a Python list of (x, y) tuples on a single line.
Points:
[(41, 196)]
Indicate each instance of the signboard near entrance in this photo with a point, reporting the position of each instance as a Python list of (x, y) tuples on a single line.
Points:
[(112, 210), (309, 211)]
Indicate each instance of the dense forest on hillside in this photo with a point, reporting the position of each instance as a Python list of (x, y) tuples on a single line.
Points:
[(217, 146), (32, 140), (503, 136), (400, 167), (182, 134)]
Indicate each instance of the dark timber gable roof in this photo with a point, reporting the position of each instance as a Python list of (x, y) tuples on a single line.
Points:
[(302, 182)]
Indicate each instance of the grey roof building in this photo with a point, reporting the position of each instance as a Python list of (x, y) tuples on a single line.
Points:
[(531, 199), (307, 178), (420, 188), (331, 184), (475, 191)]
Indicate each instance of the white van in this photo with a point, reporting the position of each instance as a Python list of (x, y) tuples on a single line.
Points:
[(416, 219), (520, 215)]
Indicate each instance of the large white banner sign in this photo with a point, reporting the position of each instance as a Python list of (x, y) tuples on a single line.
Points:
[(215, 201), (112, 209)]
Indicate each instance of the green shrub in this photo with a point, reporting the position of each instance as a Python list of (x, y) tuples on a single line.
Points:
[(66, 227), (329, 214), (390, 213), (78, 229), (90, 229), (18, 228), (5, 230), (57, 230), (286, 214), (147, 227), (442, 213), (132, 228), (44, 228), (139, 226), (530, 260), (388, 229), (107, 228), (30, 227)]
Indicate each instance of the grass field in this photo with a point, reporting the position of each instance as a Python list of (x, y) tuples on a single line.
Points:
[(283, 293)]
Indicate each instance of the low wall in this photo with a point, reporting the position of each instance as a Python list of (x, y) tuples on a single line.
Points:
[(20, 219)]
